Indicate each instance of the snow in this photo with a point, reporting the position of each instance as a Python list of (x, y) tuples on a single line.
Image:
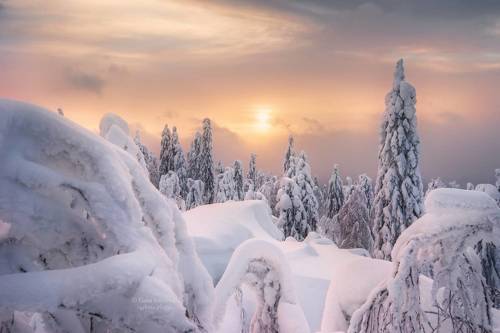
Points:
[(88, 231), (218, 229)]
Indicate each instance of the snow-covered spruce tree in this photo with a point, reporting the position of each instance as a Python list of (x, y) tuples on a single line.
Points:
[(292, 217), (469, 186), (150, 160), (239, 193), (193, 157), (334, 194), (453, 184), (442, 239), (320, 196), (305, 182), (225, 189), (251, 194), (366, 184), (252, 170), (194, 197), (170, 187), (497, 176), (179, 162), (398, 189), (352, 223), (165, 149), (288, 155), (206, 162)]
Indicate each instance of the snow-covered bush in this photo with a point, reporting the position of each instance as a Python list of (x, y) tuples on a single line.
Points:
[(225, 186), (442, 240), (263, 267), (87, 244)]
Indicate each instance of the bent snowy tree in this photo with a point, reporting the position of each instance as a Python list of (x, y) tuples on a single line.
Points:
[(262, 266), (87, 242), (440, 243)]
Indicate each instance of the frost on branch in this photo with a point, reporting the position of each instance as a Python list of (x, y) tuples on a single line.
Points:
[(91, 245), (262, 266), (442, 241)]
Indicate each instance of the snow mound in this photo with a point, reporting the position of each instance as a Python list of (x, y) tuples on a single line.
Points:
[(86, 238), (445, 199), (218, 229), (262, 265)]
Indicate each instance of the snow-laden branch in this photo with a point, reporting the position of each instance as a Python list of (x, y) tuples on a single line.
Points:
[(440, 244), (263, 267)]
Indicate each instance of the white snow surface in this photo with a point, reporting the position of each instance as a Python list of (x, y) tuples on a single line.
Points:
[(83, 231)]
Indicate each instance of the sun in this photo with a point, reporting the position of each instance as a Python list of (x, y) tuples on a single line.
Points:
[(263, 118)]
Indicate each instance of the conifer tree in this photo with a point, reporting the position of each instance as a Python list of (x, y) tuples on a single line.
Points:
[(150, 160), (252, 171), (179, 165), (166, 144), (193, 157), (288, 155), (239, 192), (398, 198), (206, 163), (292, 215)]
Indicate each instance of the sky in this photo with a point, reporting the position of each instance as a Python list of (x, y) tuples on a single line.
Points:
[(265, 69)]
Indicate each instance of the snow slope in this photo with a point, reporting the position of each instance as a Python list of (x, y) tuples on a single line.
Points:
[(85, 238)]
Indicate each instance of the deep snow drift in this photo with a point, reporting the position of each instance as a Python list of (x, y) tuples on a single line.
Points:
[(86, 239)]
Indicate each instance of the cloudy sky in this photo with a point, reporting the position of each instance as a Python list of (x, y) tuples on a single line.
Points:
[(263, 69)]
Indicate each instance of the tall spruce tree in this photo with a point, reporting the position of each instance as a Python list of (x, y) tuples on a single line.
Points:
[(150, 160), (305, 183), (166, 147), (399, 193), (292, 217), (206, 162)]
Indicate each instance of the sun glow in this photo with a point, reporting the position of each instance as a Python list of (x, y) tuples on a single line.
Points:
[(263, 118)]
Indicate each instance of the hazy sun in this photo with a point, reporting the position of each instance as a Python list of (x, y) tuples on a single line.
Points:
[(263, 117)]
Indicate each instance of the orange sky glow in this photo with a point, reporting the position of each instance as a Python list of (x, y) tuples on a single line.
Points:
[(262, 72)]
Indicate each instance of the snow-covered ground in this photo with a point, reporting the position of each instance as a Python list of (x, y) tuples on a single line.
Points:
[(316, 263)]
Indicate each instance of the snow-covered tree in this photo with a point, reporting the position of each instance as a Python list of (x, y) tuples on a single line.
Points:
[(334, 194), (206, 162), (239, 192), (320, 196), (497, 176), (292, 215), (453, 184), (193, 157), (469, 187), (179, 162), (270, 190), (194, 196), (252, 170), (225, 187), (251, 194), (150, 160), (352, 223), (366, 184), (398, 198), (170, 187), (442, 239), (348, 186), (288, 155), (165, 151), (305, 182)]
